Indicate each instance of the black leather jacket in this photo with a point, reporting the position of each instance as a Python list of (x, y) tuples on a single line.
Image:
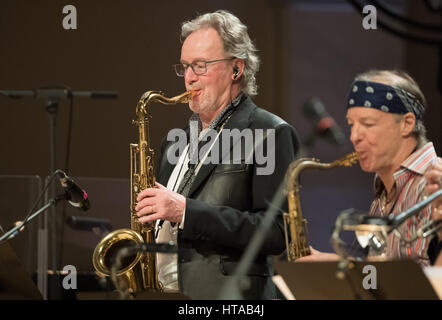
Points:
[(225, 205)]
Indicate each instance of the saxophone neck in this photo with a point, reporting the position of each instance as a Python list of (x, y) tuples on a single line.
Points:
[(294, 170), (301, 164), (150, 97), (346, 161)]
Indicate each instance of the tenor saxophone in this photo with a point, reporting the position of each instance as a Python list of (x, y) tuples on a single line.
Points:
[(295, 226), (137, 272)]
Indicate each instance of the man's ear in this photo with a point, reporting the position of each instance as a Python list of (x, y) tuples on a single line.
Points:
[(238, 68), (408, 123)]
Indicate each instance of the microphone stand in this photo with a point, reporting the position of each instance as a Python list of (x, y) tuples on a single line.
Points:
[(12, 233), (232, 288), (52, 104), (52, 95), (401, 217), (57, 92), (131, 250)]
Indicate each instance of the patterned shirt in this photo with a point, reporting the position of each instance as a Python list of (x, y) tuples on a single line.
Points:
[(408, 190)]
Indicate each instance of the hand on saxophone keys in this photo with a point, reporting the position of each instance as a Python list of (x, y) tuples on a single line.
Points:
[(317, 256), (160, 203)]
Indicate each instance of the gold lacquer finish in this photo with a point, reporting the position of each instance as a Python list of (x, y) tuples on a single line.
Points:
[(138, 272), (294, 224)]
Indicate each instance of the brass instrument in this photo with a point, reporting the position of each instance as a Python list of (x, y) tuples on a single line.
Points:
[(294, 224), (139, 271)]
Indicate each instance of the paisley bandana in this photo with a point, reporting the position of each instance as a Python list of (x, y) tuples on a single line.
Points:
[(385, 98)]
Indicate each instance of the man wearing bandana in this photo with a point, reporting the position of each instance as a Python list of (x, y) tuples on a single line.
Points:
[(385, 111)]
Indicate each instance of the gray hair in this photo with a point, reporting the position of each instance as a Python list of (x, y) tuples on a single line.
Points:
[(236, 42), (402, 80)]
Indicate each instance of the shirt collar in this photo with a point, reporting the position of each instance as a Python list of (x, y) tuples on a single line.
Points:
[(417, 162), (421, 159)]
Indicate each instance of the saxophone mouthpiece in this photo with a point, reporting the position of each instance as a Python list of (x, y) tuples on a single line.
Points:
[(191, 93), (187, 96)]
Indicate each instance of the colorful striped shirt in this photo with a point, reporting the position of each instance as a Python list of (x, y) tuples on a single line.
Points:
[(408, 189)]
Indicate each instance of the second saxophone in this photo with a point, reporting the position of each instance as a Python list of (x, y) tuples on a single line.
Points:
[(295, 226)]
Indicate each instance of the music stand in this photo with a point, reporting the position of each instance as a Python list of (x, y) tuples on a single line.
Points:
[(15, 282), (146, 295), (396, 280)]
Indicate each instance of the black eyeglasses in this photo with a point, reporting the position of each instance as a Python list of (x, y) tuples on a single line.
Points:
[(198, 67)]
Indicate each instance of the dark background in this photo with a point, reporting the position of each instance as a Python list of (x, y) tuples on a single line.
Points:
[(307, 48)]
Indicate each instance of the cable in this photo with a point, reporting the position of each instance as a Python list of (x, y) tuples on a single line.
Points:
[(68, 148), (59, 246), (69, 135)]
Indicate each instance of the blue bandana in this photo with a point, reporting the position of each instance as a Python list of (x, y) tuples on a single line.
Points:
[(385, 98)]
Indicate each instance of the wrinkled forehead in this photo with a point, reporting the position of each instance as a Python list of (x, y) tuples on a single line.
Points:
[(202, 44), (362, 112)]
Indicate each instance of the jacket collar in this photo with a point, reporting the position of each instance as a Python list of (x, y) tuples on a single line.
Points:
[(240, 120)]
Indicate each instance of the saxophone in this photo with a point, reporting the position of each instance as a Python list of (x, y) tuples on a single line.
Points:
[(294, 224), (139, 271)]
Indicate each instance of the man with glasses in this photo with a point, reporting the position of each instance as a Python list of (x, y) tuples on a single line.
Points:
[(212, 209)]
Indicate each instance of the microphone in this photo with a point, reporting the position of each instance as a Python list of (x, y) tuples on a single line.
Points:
[(375, 229), (325, 125), (397, 220), (76, 196)]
